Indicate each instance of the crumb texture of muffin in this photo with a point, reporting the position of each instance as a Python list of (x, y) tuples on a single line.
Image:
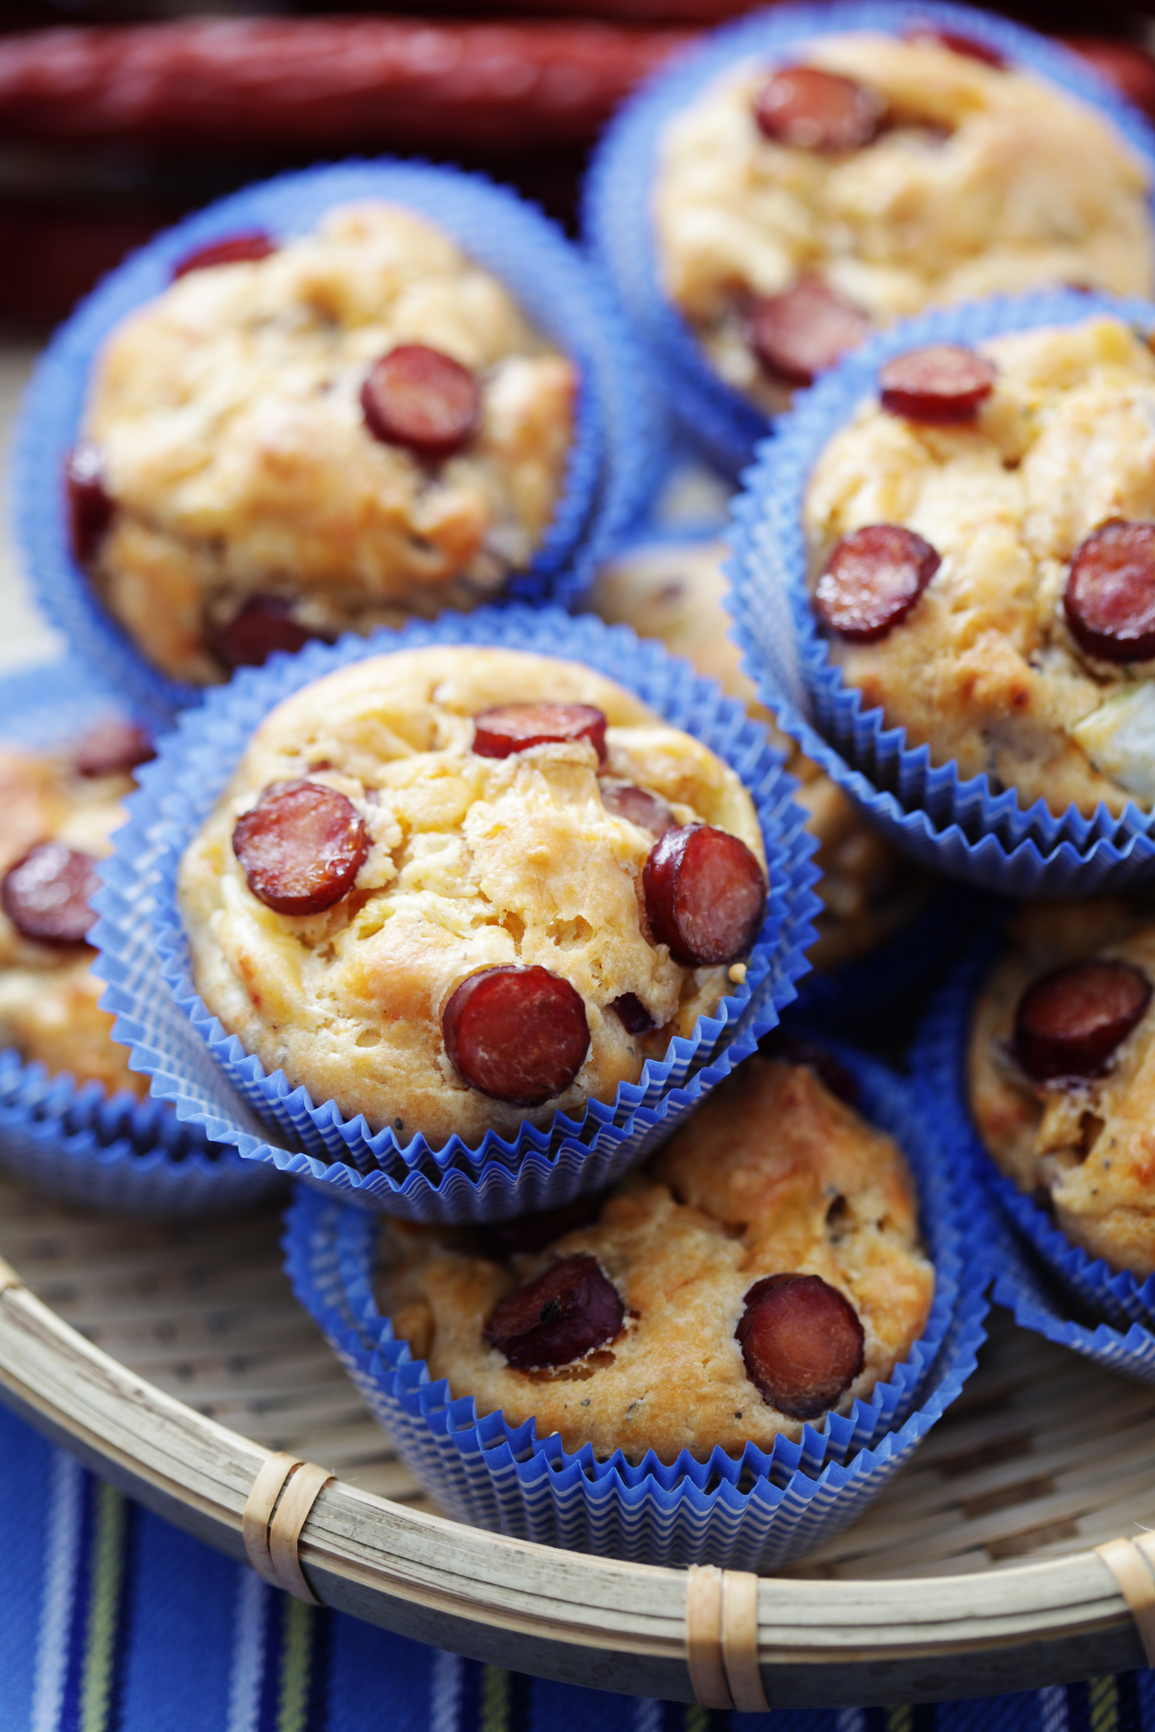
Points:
[(49, 999), (1082, 1144), (473, 862), (985, 668), (226, 418), (772, 1176), (676, 592), (976, 180)]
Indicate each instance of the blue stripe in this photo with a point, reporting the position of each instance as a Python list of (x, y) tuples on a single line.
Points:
[(24, 1488), (378, 1682), (269, 1710), (78, 1620)]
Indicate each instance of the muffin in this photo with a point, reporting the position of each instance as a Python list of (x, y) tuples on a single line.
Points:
[(1061, 1072), (295, 440), (57, 811), (457, 889), (806, 198), (677, 592), (763, 1271), (982, 558)]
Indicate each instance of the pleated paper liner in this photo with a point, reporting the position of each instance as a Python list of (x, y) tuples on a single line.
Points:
[(618, 205), (617, 452), (213, 1082), (963, 828), (1051, 1284), (755, 1511)]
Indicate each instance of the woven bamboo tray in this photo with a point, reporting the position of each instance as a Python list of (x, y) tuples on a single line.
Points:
[(172, 1359)]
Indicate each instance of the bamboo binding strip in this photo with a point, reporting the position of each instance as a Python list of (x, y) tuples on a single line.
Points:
[(722, 1639), (1131, 1562), (276, 1510)]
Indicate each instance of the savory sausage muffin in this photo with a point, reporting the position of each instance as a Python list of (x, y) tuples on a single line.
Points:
[(57, 811), (676, 592), (331, 434), (982, 556), (457, 888), (765, 1270), (864, 177)]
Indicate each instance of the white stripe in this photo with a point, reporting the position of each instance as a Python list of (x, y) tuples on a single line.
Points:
[(445, 1696), (647, 1716), (248, 1665), (851, 1719), (1053, 1708), (62, 1554)]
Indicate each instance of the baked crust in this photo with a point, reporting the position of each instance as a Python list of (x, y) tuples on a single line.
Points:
[(772, 1175), (475, 862), (228, 420), (988, 182)]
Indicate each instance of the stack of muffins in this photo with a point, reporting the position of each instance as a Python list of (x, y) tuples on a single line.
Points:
[(485, 916)]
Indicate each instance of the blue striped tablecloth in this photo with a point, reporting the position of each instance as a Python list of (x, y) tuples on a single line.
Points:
[(113, 1621)]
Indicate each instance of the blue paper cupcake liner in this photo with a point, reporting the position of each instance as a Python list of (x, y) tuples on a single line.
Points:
[(961, 827), (74, 1138), (212, 1081), (1051, 1284), (754, 1511), (617, 214), (614, 463)]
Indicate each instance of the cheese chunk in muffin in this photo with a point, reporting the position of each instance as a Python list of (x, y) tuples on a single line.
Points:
[(783, 243), (57, 811), (765, 1269), (358, 426), (1062, 1072), (477, 926), (1026, 527)]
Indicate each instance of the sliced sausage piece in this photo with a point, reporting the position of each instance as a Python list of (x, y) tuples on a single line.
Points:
[(956, 42), (705, 895), (46, 895), (300, 847), (1110, 595), (944, 383), (1069, 1023), (90, 508), (810, 109), (529, 1233), (509, 728), (800, 333), (872, 580), (234, 250), (1126, 65), (802, 1343), (264, 624), (632, 1013), (516, 1034), (636, 805), (113, 747), (561, 1315), (418, 397)]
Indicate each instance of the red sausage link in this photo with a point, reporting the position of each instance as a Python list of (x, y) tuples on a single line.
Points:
[(872, 580), (529, 1233), (632, 1013), (236, 250), (300, 847), (815, 110), (955, 42), (790, 1048), (1069, 1023), (636, 805), (90, 508), (516, 1034), (1126, 65), (806, 329), (705, 895), (418, 397), (1110, 595), (562, 1315), (46, 894), (264, 624), (802, 1343), (944, 383), (509, 728), (112, 747)]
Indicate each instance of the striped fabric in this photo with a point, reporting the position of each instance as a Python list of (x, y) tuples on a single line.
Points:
[(112, 1621)]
